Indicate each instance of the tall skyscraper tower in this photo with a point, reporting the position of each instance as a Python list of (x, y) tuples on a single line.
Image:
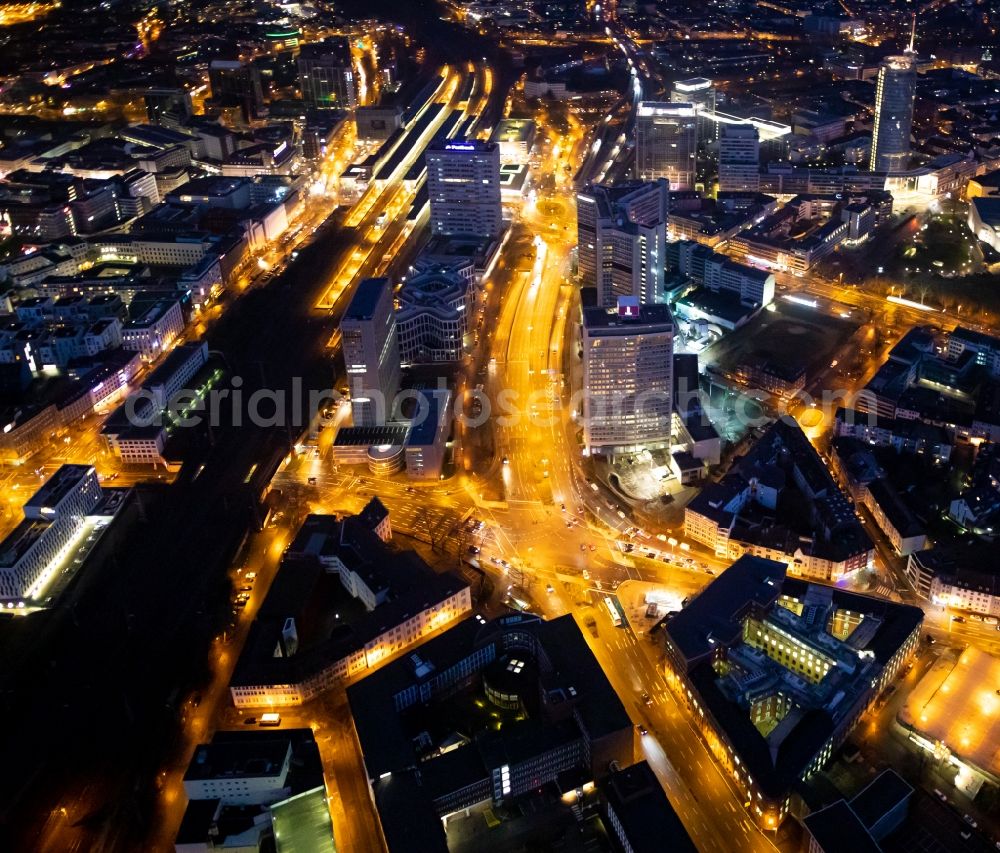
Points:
[(739, 158), (235, 84), (326, 75), (167, 107), (700, 93), (621, 239), (463, 183), (894, 93), (666, 143), (371, 352), (627, 377)]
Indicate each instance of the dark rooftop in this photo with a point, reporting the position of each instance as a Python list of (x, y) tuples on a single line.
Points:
[(837, 828), (882, 795), (232, 760), (366, 298), (647, 819), (717, 613), (402, 582), (714, 621)]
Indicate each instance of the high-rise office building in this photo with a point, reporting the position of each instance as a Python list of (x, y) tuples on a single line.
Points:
[(236, 84), (167, 107), (627, 377), (666, 143), (739, 158), (326, 75), (894, 93), (700, 93), (621, 239), (463, 183), (371, 352)]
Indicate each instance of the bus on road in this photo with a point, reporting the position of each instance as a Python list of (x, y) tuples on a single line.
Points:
[(613, 611)]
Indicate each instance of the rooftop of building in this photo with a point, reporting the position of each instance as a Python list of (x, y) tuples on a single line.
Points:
[(716, 615), (972, 564), (784, 458), (433, 287), (570, 670), (837, 827), (713, 625), (330, 624), (215, 186), (450, 247), (178, 357), (988, 209), (428, 421), (665, 108), (714, 219), (970, 337), (989, 180), (336, 47), (646, 817), (640, 319), (386, 435), (513, 130), (693, 84), (459, 146), (898, 514), (61, 483), (255, 754), (302, 822), (410, 824), (722, 304), (225, 758), (366, 298), (150, 313), (880, 796)]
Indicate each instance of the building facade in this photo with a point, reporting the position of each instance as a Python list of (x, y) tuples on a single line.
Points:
[(432, 323), (739, 158), (326, 75), (894, 93), (52, 518), (627, 377), (666, 143), (700, 93), (371, 352), (463, 183), (621, 239)]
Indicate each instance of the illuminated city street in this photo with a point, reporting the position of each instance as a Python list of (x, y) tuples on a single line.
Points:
[(461, 426)]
